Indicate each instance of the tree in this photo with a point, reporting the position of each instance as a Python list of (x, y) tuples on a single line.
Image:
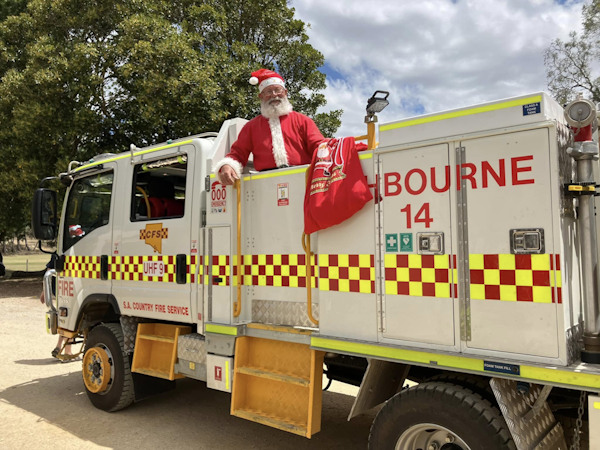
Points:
[(81, 77), (571, 66), (12, 8)]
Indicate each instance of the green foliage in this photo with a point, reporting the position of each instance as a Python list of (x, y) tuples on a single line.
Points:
[(571, 66), (328, 123), (81, 77), (12, 8)]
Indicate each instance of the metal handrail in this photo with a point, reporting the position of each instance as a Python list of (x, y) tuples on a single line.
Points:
[(237, 306), (47, 284), (308, 266)]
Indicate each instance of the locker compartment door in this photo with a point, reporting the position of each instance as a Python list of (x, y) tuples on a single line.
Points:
[(512, 294), (416, 246), (219, 277)]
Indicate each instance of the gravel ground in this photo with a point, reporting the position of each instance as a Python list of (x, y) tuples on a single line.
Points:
[(43, 403)]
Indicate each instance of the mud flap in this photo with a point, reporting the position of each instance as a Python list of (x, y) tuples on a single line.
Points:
[(145, 386)]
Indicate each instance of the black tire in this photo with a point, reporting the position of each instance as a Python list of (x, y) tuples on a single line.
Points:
[(119, 392), (478, 384), (435, 411)]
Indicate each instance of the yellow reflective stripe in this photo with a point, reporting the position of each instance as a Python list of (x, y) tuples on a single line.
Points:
[(462, 113), (221, 329), (227, 374), (128, 155), (596, 405), (551, 375), (561, 376), (270, 174), (277, 328), (274, 174)]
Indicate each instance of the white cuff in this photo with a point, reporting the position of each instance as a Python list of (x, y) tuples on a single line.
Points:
[(227, 161)]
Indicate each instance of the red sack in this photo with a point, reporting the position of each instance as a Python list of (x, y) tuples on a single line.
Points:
[(336, 188)]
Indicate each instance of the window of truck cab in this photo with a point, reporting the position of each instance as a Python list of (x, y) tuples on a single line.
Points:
[(88, 207), (159, 189)]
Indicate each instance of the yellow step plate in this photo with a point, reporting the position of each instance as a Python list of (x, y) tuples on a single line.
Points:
[(278, 384), (155, 349)]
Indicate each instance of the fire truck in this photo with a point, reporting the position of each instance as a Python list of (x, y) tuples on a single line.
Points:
[(462, 301)]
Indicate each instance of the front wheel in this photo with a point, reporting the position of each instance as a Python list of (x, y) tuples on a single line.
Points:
[(106, 370), (439, 416)]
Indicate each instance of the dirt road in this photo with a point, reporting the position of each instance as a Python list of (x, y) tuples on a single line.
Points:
[(43, 403)]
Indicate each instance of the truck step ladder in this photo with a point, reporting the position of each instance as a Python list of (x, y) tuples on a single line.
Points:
[(279, 384), (155, 350)]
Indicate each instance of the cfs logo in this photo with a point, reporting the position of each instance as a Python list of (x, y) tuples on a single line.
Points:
[(153, 235)]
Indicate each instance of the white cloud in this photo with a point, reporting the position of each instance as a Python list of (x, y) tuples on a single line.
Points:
[(432, 55)]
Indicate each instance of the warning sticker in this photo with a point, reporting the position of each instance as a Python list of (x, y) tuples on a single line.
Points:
[(511, 369), (532, 108), (283, 194), (218, 198), (391, 242), (406, 242)]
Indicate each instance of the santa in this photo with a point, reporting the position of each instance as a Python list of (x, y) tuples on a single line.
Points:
[(279, 137)]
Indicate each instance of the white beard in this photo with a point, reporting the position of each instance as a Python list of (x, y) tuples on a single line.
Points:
[(271, 109)]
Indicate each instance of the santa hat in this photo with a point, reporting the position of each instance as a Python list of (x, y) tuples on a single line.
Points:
[(264, 78)]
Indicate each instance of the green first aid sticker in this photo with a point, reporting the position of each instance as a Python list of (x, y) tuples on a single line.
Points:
[(391, 242), (406, 242)]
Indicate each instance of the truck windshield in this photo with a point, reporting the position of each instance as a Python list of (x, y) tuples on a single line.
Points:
[(88, 207)]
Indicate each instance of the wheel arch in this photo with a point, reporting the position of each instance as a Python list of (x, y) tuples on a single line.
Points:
[(97, 308)]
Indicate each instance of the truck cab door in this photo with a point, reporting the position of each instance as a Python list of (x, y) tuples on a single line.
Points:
[(151, 252), (85, 240)]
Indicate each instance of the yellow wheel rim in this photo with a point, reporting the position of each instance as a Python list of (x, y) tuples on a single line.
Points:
[(96, 370)]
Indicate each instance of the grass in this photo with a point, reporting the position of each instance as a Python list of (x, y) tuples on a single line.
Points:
[(30, 263)]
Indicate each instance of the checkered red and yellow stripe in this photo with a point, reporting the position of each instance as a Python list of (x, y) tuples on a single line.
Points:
[(506, 277), (420, 275), (194, 262), (262, 270), (275, 270), (347, 273), (221, 270), (522, 278), (82, 267), (131, 268)]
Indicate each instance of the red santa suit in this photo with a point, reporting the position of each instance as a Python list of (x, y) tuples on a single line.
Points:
[(288, 140)]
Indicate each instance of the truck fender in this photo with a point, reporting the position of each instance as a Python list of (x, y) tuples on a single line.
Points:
[(98, 308)]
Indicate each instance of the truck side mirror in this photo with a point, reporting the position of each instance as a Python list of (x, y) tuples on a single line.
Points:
[(44, 215)]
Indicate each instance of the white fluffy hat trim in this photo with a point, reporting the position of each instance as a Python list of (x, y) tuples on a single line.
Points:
[(269, 82)]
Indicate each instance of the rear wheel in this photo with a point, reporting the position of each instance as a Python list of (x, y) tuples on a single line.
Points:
[(106, 371), (478, 384), (439, 416)]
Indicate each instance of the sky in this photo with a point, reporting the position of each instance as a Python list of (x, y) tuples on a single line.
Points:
[(431, 55)]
